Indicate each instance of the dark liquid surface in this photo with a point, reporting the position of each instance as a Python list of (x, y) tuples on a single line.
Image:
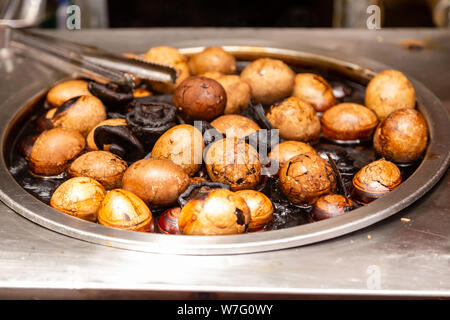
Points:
[(348, 158)]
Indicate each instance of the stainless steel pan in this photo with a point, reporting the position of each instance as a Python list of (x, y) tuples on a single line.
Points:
[(434, 165)]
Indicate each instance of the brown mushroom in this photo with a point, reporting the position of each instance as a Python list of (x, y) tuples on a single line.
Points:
[(91, 146)]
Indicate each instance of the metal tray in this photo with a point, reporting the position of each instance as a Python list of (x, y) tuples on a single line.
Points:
[(434, 165)]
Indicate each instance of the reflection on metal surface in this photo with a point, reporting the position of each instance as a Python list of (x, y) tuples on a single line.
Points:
[(420, 182), (22, 13)]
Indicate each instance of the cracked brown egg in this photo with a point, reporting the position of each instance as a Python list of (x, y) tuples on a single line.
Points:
[(261, 208), (388, 91), (54, 149), (168, 56), (80, 197), (234, 125), (305, 178), (212, 59), (124, 210), (102, 166), (235, 163), (295, 120), (167, 222), (238, 91), (331, 205), (285, 151), (91, 146), (66, 90), (315, 90), (81, 113), (200, 98), (182, 144), (375, 180), (215, 212), (402, 137), (270, 80), (45, 121), (26, 145), (158, 182), (348, 122)]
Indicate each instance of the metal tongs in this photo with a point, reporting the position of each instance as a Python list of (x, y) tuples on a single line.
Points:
[(89, 61)]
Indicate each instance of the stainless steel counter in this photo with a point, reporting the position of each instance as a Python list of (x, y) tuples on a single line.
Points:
[(405, 255)]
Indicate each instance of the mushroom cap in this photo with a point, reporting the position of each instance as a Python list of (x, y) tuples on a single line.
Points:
[(91, 146)]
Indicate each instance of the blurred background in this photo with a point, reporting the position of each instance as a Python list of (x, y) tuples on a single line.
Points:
[(227, 13)]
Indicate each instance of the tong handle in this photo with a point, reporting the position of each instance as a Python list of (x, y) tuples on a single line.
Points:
[(90, 60)]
